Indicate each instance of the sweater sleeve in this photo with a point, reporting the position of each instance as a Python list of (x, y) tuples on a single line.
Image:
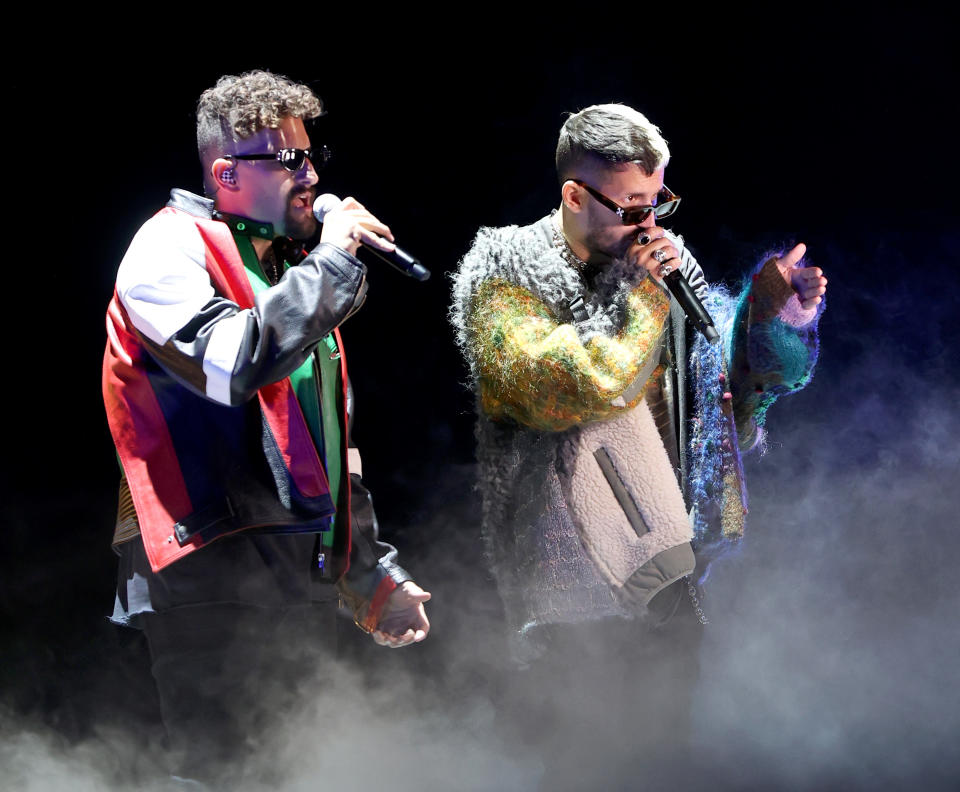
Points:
[(537, 371), (774, 349)]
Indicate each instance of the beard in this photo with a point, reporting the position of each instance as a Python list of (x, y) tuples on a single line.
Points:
[(299, 222), (604, 246), (300, 228)]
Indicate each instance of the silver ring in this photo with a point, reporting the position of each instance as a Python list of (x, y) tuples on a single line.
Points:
[(644, 238), (663, 270), (659, 255)]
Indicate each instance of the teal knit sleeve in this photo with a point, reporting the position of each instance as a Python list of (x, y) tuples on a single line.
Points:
[(773, 349)]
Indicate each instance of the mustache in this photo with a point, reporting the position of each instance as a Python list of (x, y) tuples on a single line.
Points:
[(296, 192)]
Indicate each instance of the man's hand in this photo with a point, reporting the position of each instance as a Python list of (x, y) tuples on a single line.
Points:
[(652, 251), (350, 225), (807, 282), (403, 620)]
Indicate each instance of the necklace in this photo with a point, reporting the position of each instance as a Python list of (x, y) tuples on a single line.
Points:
[(275, 268)]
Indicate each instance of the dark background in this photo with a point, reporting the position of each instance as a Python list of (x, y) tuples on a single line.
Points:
[(841, 136)]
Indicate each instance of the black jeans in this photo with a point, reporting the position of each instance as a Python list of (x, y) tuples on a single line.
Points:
[(227, 674), (607, 706)]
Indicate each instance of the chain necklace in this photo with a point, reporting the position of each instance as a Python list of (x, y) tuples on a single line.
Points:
[(698, 609), (272, 268)]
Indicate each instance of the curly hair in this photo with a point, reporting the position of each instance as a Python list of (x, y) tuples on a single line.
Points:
[(240, 106), (614, 133)]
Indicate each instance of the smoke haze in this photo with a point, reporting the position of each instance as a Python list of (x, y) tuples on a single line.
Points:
[(830, 658), (831, 654)]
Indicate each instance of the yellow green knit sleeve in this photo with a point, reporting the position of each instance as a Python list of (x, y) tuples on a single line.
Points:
[(536, 371)]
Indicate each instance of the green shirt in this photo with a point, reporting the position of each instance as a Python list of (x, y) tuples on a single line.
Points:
[(317, 384)]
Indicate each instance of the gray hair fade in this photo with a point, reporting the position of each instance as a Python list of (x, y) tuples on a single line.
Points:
[(614, 133)]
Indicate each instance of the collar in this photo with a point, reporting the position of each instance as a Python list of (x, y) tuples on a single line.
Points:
[(190, 203), (286, 249), (204, 207), (244, 226)]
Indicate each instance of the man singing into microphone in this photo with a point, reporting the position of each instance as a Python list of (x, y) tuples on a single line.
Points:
[(243, 520), (610, 440)]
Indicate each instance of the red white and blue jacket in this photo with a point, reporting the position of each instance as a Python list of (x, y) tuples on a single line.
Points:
[(208, 430)]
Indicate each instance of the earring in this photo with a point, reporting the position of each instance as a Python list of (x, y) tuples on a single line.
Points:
[(228, 176)]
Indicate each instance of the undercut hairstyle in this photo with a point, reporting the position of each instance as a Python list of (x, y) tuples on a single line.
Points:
[(240, 106), (612, 133)]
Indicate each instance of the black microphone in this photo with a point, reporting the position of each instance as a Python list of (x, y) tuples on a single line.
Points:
[(685, 295), (396, 258)]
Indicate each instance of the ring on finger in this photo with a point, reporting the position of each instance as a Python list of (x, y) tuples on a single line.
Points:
[(660, 255), (664, 269)]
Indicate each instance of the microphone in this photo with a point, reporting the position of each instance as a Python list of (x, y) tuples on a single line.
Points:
[(396, 258), (680, 288)]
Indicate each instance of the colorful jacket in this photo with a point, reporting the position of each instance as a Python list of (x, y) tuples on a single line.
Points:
[(210, 436), (543, 371)]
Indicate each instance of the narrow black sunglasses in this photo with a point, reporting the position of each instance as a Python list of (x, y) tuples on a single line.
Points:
[(666, 205), (292, 158)]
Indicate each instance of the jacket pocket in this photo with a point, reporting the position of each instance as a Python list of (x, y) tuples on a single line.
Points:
[(620, 492)]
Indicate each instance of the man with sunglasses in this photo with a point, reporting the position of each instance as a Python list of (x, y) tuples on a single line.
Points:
[(609, 444), (243, 521)]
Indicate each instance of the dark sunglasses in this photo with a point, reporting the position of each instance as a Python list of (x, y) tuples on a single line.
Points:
[(666, 205), (292, 158)]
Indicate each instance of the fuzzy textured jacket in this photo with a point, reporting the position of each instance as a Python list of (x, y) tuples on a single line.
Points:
[(581, 410)]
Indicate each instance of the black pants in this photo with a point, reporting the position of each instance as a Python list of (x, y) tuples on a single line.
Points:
[(228, 674), (607, 706)]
